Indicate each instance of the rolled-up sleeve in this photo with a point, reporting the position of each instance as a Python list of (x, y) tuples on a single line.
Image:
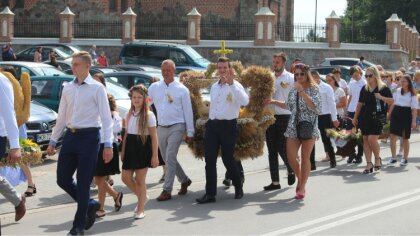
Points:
[(188, 113), (239, 93), (7, 112), (105, 114)]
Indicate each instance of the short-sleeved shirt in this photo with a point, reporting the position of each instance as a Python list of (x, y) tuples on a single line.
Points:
[(132, 126), (371, 105), (406, 100), (339, 93), (354, 91)]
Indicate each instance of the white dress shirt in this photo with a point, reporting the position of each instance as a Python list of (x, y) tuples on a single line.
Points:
[(406, 100), (226, 100), (132, 125), (282, 86), (84, 106), (116, 127), (354, 92), (8, 123), (327, 100), (342, 84), (173, 104), (339, 93)]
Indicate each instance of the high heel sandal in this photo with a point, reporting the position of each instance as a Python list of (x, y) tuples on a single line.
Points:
[(378, 167), (367, 169), (30, 194)]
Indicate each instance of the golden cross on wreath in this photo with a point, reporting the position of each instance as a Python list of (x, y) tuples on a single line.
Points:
[(223, 51)]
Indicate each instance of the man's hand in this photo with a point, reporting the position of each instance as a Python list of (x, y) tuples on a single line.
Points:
[(189, 140), (354, 122), (51, 150), (14, 155), (336, 123), (107, 155), (228, 77)]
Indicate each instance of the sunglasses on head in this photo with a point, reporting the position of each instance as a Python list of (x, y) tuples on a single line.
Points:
[(384, 77), (299, 74), (369, 76)]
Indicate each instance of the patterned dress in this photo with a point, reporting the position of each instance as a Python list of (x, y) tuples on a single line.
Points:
[(305, 113)]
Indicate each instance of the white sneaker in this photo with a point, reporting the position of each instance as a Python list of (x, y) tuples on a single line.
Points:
[(403, 162), (139, 216), (392, 162)]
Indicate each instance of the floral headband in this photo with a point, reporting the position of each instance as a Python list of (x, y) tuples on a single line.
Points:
[(139, 88), (303, 67)]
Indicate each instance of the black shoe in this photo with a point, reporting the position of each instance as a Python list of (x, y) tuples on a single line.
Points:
[(205, 199), (358, 160), (227, 182), (272, 187), (76, 231), (333, 163), (313, 167), (291, 179), (91, 215), (239, 193), (351, 158)]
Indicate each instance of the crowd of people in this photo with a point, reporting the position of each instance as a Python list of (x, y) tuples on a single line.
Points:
[(304, 106)]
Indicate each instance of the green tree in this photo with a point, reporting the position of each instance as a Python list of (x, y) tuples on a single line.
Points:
[(370, 17)]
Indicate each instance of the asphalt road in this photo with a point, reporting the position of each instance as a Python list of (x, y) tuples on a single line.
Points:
[(339, 201)]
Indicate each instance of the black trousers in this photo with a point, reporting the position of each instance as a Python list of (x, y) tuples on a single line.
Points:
[(359, 144), (325, 122), (276, 144), (240, 169), (220, 135)]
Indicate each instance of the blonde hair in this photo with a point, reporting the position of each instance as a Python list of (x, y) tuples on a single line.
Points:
[(375, 72), (142, 119), (417, 74), (84, 56)]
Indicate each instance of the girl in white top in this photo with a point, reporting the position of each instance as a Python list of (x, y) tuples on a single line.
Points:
[(403, 117), (140, 147), (339, 94)]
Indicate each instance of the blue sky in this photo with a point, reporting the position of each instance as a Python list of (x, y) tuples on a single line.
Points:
[(305, 10)]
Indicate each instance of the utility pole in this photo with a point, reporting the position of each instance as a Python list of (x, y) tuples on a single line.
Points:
[(316, 11)]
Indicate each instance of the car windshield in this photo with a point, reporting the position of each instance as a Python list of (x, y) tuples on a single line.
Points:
[(50, 71), (193, 54), (61, 53), (117, 90)]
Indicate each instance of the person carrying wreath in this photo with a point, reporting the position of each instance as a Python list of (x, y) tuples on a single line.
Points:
[(227, 96)]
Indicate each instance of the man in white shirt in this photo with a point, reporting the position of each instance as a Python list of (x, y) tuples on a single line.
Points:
[(226, 98), (175, 118), (9, 131), (356, 84), (83, 110), (274, 135), (328, 117)]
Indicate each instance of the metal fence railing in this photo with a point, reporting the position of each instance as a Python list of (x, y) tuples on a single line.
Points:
[(27, 28), (301, 32), (228, 31), (151, 30), (98, 29)]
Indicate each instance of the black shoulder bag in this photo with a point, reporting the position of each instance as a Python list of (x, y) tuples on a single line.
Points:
[(304, 129)]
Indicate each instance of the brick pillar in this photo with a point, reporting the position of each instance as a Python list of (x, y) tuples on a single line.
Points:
[(409, 40), (402, 42), (129, 26), (194, 27), (393, 31), (264, 27), (66, 25), (414, 36), (6, 25), (333, 30)]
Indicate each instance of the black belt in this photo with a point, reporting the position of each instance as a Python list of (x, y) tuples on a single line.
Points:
[(222, 121), (82, 130), (168, 126), (281, 115)]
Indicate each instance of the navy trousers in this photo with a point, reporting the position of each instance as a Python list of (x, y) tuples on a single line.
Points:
[(220, 135), (3, 141), (79, 152)]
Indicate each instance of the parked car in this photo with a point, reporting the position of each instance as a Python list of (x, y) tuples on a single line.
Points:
[(29, 53), (125, 67), (130, 78), (47, 91), (33, 68), (94, 70), (65, 65), (153, 53), (69, 49), (324, 70), (344, 61), (180, 69), (40, 124)]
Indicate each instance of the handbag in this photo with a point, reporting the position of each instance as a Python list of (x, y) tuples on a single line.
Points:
[(304, 129)]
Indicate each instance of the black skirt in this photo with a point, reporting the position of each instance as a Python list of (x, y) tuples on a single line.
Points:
[(138, 155), (111, 168), (401, 118), (370, 125)]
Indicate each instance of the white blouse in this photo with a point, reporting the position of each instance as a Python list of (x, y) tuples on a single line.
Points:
[(339, 93), (406, 100), (132, 126)]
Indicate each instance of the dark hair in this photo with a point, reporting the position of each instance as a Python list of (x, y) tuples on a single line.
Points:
[(222, 60), (11, 70), (38, 48), (101, 78), (332, 77), (336, 70), (362, 58), (410, 85), (281, 55)]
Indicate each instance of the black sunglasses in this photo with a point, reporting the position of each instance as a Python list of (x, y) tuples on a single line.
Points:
[(369, 76), (301, 74)]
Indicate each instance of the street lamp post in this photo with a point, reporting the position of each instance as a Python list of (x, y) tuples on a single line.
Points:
[(316, 11), (352, 21)]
